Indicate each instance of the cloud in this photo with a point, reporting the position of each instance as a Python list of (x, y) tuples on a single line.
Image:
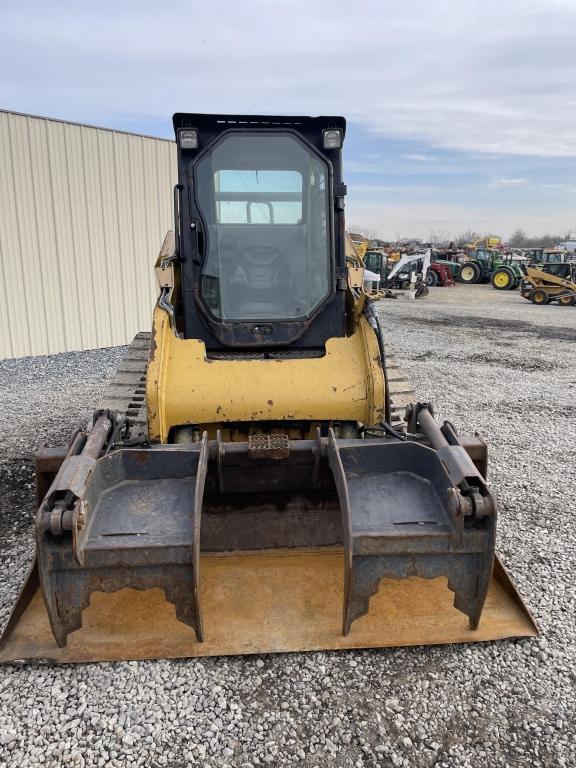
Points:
[(418, 158), (482, 75), (508, 183), (408, 190), (370, 189), (474, 99), (569, 189)]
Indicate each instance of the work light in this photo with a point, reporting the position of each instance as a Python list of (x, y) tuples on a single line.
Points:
[(331, 138), (188, 138)]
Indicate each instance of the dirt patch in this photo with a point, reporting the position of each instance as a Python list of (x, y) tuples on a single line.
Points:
[(479, 323), (514, 364)]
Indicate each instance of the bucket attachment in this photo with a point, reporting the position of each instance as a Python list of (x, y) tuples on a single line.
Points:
[(402, 516), (294, 538), (134, 520)]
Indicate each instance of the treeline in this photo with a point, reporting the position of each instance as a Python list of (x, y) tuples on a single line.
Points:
[(519, 239)]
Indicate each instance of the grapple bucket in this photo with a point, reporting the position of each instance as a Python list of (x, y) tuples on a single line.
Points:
[(282, 542)]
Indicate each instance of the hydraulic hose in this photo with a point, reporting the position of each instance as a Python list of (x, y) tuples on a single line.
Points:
[(373, 318)]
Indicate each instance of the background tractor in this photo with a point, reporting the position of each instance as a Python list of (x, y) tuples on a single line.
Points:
[(439, 274), (484, 263), (442, 271), (510, 273)]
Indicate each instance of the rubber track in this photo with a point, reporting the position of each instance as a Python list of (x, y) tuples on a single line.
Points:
[(126, 393)]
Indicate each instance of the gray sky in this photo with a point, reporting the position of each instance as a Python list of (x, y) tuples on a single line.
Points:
[(460, 113)]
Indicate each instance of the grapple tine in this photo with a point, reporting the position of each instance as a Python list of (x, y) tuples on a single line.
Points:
[(130, 519), (405, 517)]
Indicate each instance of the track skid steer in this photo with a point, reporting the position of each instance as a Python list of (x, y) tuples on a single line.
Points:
[(258, 460)]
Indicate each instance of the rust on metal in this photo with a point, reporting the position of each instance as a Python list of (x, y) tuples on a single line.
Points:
[(282, 592), (106, 513)]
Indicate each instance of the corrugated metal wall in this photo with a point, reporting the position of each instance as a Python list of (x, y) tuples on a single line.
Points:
[(83, 212)]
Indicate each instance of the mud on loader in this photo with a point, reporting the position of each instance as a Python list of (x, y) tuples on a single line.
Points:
[(251, 463)]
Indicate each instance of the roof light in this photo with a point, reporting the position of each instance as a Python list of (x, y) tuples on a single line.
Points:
[(332, 138), (188, 138)]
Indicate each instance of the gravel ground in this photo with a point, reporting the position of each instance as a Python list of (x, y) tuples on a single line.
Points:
[(488, 361)]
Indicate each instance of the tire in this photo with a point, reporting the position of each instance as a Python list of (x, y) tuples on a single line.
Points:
[(539, 296), (470, 273), (431, 278), (405, 285), (568, 301), (503, 279)]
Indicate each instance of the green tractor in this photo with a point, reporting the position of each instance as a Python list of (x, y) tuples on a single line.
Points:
[(488, 265), (509, 275), (547, 256)]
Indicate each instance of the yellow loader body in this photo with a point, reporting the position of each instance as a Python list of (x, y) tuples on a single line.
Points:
[(185, 387)]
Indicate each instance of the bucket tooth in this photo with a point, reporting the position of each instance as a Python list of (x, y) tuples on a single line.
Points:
[(401, 519), (140, 529)]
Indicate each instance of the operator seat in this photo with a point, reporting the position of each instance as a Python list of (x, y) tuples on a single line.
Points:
[(261, 285)]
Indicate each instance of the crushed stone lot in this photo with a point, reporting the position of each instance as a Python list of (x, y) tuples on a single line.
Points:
[(489, 361)]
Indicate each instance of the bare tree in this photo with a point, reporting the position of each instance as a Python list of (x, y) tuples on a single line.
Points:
[(518, 239), (366, 232), (439, 237), (468, 236), (521, 240)]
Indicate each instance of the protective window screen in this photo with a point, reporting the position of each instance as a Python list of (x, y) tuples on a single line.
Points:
[(264, 200)]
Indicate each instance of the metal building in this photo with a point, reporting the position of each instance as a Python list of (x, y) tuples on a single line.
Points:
[(83, 212)]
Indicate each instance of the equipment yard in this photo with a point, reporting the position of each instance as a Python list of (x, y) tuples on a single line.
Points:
[(487, 360)]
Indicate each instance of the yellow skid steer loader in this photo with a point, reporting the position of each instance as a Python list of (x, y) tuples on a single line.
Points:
[(255, 479), (550, 282)]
